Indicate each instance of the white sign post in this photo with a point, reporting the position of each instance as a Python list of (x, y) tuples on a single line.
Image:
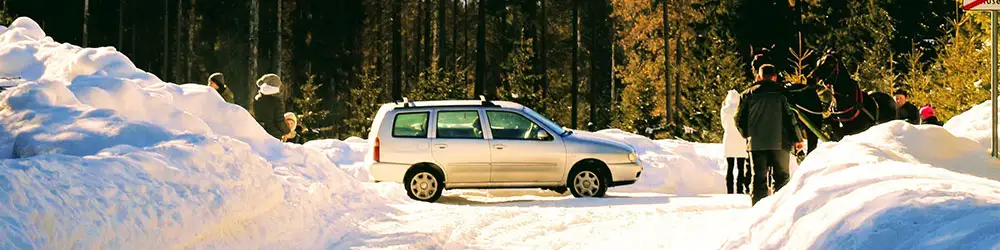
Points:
[(992, 6)]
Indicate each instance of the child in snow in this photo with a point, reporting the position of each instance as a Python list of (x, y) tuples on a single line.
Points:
[(927, 116), (735, 146), (292, 121)]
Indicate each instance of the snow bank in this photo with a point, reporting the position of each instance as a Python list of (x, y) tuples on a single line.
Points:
[(895, 186), (973, 124), (95, 153), (677, 166), (348, 155)]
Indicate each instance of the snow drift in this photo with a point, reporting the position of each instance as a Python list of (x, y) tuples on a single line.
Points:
[(895, 186), (95, 153), (348, 155)]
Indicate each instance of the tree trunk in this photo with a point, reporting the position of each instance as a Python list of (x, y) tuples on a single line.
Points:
[(192, 28), (575, 88), (397, 49), (678, 50), (454, 39), (542, 34), (254, 39), (86, 14), (121, 26), (417, 49), (442, 55), (278, 55), (428, 36), (480, 51), (600, 65), (178, 36), (166, 39), (666, 63)]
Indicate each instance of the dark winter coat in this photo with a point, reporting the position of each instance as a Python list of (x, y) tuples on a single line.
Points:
[(270, 113), (764, 117), (933, 120), (909, 113)]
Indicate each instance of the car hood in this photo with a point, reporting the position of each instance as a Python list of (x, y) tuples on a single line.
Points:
[(590, 138)]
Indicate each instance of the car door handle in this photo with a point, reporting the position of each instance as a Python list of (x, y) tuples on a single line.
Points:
[(441, 146), (499, 146)]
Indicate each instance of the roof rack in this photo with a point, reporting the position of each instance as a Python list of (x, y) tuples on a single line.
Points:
[(406, 102), (486, 102)]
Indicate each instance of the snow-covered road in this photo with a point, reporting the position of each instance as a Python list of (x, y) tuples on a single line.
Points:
[(537, 219)]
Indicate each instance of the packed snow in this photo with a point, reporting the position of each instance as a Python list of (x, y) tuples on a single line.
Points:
[(903, 187), (96, 153), (99, 154)]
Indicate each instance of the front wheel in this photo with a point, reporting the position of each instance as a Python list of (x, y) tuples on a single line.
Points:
[(424, 185), (587, 182)]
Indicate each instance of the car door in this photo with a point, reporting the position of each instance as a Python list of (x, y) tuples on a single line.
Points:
[(519, 154), (460, 147)]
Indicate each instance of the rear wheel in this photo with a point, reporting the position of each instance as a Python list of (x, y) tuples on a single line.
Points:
[(424, 184), (587, 181)]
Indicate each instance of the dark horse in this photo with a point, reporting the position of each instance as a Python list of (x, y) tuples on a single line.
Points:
[(832, 101), (851, 110)]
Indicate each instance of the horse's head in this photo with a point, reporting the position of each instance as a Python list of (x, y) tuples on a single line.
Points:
[(761, 56), (834, 81)]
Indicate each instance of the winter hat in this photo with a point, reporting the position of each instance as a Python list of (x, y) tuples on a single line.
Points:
[(295, 119), (219, 80), (926, 112), (269, 84)]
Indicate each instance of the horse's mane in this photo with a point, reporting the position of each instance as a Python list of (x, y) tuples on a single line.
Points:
[(831, 68)]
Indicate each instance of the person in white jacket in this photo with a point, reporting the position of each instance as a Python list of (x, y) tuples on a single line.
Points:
[(735, 146)]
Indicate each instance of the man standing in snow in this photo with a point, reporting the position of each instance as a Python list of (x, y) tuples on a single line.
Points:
[(735, 146), (765, 120), (268, 108), (904, 109), (218, 82)]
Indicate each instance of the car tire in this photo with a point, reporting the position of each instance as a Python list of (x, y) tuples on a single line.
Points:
[(424, 184), (587, 181)]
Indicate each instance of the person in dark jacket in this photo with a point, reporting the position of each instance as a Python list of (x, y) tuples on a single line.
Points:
[(765, 120), (218, 82), (268, 108), (927, 116), (904, 109)]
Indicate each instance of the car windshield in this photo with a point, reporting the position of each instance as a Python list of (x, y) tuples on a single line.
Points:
[(545, 121)]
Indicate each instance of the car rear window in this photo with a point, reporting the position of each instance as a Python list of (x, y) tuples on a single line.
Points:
[(413, 125)]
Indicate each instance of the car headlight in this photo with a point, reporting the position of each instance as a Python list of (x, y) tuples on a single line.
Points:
[(632, 157)]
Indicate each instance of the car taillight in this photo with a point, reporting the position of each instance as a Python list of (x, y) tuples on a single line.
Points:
[(376, 150)]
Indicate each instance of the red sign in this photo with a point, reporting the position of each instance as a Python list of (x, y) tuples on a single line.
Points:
[(981, 4)]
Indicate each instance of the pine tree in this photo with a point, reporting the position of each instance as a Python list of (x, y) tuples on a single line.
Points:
[(519, 76), (959, 78), (309, 105), (639, 109)]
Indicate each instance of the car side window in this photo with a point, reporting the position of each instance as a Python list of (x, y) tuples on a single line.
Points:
[(459, 125), (410, 125), (512, 126)]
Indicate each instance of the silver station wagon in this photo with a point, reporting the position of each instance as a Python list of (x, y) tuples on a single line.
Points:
[(431, 146)]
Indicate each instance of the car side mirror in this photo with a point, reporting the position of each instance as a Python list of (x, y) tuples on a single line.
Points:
[(542, 135)]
